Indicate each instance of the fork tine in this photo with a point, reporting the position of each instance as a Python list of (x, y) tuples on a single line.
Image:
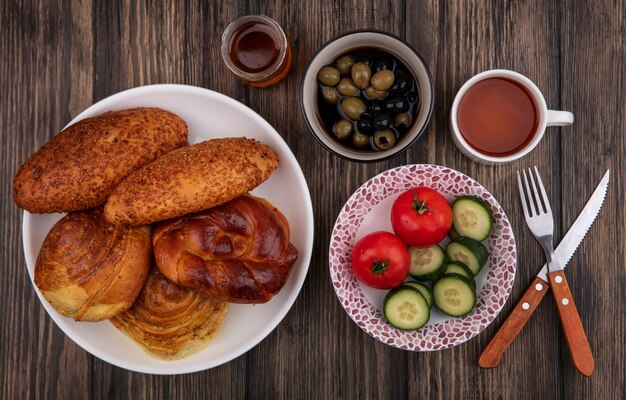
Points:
[(522, 195), (540, 208), (544, 196), (529, 195)]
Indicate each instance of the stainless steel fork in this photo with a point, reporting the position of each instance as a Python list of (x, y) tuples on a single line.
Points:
[(540, 221)]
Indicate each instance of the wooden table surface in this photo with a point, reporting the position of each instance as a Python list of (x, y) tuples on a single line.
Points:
[(59, 57)]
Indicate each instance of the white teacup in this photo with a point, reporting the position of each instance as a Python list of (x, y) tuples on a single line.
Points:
[(546, 118)]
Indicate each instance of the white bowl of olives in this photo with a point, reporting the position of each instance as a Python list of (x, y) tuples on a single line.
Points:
[(367, 96)]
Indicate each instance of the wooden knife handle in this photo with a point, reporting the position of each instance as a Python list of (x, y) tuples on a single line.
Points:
[(514, 323), (573, 328)]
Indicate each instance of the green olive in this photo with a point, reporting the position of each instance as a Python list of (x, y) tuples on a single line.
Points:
[(360, 140), (344, 64), (375, 94), (382, 80), (361, 75), (346, 87), (342, 129), (402, 119), (353, 107), (384, 139), (328, 76), (330, 94)]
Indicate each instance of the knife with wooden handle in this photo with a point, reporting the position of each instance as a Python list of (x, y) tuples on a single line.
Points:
[(524, 309), (513, 325), (572, 326)]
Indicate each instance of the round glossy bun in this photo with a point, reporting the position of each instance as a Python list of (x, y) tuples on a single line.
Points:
[(91, 270), (237, 252)]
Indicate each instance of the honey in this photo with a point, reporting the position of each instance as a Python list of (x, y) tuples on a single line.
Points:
[(256, 50)]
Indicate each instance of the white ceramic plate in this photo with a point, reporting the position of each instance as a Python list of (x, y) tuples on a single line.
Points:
[(208, 115), (368, 210)]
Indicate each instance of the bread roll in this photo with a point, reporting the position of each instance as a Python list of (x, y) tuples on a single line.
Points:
[(191, 179), (79, 168), (238, 252), (91, 270), (168, 321)]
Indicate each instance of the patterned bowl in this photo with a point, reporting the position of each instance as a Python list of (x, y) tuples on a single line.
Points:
[(368, 210)]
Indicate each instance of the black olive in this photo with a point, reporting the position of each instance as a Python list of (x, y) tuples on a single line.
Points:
[(412, 97), (375, 107), (376, 114), (397, 105), (399, 130), (381, 63), (364, 125), (403, 83), (381, 121)]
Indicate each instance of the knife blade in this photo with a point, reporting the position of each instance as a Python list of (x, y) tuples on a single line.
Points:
[(580, 227), (526, 306)]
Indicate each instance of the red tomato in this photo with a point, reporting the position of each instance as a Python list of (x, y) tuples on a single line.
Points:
[(421, 217), (381, 260)]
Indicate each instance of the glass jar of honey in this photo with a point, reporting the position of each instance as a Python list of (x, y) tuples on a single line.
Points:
[(255, 49)]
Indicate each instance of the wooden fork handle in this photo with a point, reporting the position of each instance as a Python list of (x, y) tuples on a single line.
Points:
[(514, 323), (573, 328)]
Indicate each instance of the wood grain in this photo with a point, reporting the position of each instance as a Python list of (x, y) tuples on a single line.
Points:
[(60, 57)]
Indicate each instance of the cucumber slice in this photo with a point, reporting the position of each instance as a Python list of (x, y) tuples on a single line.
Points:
[(423, 289), (468, 251), (454, 295), (427, 263), (472, 217), (457, 267), (405, 308)]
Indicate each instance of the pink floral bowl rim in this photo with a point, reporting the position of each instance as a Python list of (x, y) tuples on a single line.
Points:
[(492, 293)]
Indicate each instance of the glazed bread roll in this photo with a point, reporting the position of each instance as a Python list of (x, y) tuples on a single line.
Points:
[(168, 321), (191, 179), (238, 252), (91, 270), (79, 168)]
